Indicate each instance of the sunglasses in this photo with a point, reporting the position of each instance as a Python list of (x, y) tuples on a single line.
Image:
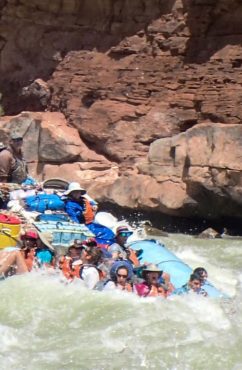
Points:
[(124, 235), (121, 275)]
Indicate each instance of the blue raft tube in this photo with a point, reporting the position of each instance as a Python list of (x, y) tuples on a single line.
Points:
[(155, 252)]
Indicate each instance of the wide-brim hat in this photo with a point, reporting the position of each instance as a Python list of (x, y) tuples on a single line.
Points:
[(151, 267), (74, 186), (123, 230), (47, 238), (15, 135)]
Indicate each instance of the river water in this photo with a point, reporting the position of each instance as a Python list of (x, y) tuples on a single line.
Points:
[(47, 325)]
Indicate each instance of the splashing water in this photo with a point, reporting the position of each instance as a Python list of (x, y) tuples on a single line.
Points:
[(45, 324)]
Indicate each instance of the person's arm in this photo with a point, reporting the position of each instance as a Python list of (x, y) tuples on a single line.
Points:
[(6, 165), (9, 259), (74, 210)]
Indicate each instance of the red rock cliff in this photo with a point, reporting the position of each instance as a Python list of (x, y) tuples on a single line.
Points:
[(152, 86)]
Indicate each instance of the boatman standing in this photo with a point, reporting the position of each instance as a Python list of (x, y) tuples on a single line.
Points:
[(13, 167)]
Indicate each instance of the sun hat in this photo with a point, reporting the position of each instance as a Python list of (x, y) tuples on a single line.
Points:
[(74, 186), (14, 135), (47, 238), (123, 230), (29, 234), (151, 267)]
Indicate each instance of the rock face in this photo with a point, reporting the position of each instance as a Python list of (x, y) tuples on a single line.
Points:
[(150, 89), (53, 149)]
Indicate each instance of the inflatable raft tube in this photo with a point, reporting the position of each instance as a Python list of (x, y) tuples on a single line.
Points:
[(155, 252)]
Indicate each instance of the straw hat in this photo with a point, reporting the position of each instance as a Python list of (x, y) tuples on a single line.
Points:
[(151, 267), (74, 186), (47, 238)]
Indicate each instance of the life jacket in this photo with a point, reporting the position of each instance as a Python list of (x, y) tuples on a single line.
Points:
[(70, 268), (144, 290), (76, 266), (29, 258), (65, 266), (133, 257), (88, 213)]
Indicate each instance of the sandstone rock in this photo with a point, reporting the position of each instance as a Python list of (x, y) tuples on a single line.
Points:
[(135, 79), (198, 161), (47, 138), (95, 179), (67, 145), (37, 95)]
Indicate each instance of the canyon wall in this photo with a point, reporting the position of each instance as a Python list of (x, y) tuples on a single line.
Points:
[(151, 89)]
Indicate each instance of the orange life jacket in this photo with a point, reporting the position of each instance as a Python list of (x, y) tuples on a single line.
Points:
[(29, 258), (88, 213), (76, 267), (72, 269), (65, 266), (133, 257)]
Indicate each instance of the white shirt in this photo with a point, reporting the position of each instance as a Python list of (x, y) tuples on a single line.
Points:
[(90, 276)]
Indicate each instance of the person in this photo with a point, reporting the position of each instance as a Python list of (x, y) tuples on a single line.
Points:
[(79, 208), (45, 251), (120, 277), (12, 260), (119, 249), (202, 273), (165, 280), (150, 287), (193, 285), (28, 249), (13, 167), (89, 271), (71, 262)]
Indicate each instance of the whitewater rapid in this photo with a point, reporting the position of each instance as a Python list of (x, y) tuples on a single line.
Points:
[(48, 325)]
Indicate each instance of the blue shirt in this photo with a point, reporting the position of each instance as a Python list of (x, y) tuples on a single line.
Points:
[(183, 290), (44, 256)]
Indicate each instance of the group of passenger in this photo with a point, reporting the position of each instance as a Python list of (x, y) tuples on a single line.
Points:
[(99, 267), (103, 267)]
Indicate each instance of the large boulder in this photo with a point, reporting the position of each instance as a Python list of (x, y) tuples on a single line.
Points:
[(49, 140), (201, 168)]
